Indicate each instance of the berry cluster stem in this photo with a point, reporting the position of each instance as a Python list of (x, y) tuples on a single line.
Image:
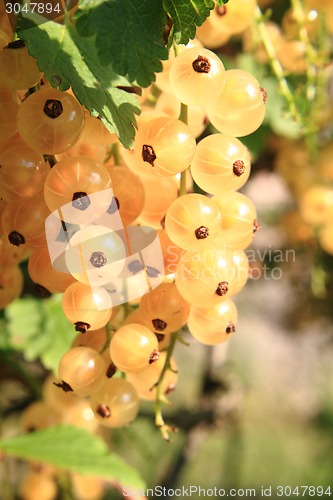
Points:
[(276, 66), (184, 118), (159, 420), (116, 154), (310, 52)]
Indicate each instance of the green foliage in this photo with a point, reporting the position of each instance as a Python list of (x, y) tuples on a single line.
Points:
[(114, 43), (68, 60), (39, 329), (186, 16), (72, 449), (128, 33)]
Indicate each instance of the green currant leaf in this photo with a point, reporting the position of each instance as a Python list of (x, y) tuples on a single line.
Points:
[(39, 329), (72, 449), (24, 317), (127, 32), (185, 16), (69, 60), (60, 332)]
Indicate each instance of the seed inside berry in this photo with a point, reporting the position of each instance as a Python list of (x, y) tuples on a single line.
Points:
[(53, 108), (148, 154), (80, 200), (16, 238), (81, 327), (103, 411), (238, 167), (98, 259), (222, 288), (201, 233), (159, 324), (154, 356), (201, 65)]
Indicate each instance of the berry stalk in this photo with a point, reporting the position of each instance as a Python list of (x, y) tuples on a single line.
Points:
[(184, 118), (159, 420), (276, 66)]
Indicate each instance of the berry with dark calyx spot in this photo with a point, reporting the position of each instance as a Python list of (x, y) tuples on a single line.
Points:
[(192, 221), (133, 347), (197, 76), (57, 114)]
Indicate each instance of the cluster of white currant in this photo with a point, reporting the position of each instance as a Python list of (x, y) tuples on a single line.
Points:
[(202, 237)]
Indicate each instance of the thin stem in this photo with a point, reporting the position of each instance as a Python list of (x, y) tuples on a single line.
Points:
[(113, 151), (184, 118), (65, 487), (312, 79), (276, 66), (310, 52), (108, 338), (116, 154), (182, 184), (6, 486), (160, 398)]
